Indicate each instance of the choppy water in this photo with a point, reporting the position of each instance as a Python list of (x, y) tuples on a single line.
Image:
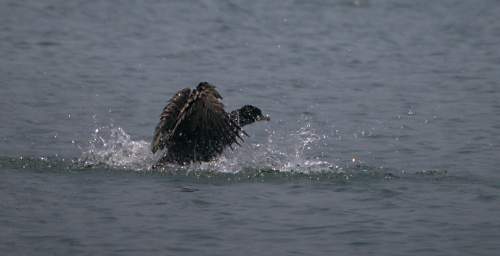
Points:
[(384, 140)]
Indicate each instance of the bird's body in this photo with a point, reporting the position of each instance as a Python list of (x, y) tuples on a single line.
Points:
[(194, 127)]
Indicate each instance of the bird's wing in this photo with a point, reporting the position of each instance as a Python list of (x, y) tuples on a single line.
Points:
[(168, 119), (204, 117)]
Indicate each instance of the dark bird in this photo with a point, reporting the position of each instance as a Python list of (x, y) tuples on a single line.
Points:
[(194, 127)]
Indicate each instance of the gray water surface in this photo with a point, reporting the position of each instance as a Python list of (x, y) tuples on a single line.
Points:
[(384, 139)]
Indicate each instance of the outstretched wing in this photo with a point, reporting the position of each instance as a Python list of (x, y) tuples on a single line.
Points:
[(204, 123), (168, 119)]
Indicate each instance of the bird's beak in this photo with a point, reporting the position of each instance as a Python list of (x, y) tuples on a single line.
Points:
[(264, 118)]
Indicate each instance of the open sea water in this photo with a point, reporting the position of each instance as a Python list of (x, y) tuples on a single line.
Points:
[(384, 139)]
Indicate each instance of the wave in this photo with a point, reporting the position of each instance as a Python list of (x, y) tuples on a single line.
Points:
[(281, 155), (290, 155)]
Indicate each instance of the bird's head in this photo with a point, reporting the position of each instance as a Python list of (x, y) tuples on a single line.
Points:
[(249, 114)]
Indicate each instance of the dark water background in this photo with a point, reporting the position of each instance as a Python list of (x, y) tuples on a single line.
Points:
[(384, 140)]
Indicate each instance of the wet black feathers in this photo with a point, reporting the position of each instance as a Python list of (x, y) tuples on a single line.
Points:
[(168, 119), (195, 127)]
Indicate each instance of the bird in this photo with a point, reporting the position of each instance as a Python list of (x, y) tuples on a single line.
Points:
[(194, 127)]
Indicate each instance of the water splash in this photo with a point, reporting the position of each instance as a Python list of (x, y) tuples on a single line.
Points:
[(282, 152), (113, 147), (306, 139)]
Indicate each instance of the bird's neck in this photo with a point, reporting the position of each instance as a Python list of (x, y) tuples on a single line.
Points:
[(237, 118)]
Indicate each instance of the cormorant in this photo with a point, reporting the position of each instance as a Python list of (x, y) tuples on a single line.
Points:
[(194, 127)]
